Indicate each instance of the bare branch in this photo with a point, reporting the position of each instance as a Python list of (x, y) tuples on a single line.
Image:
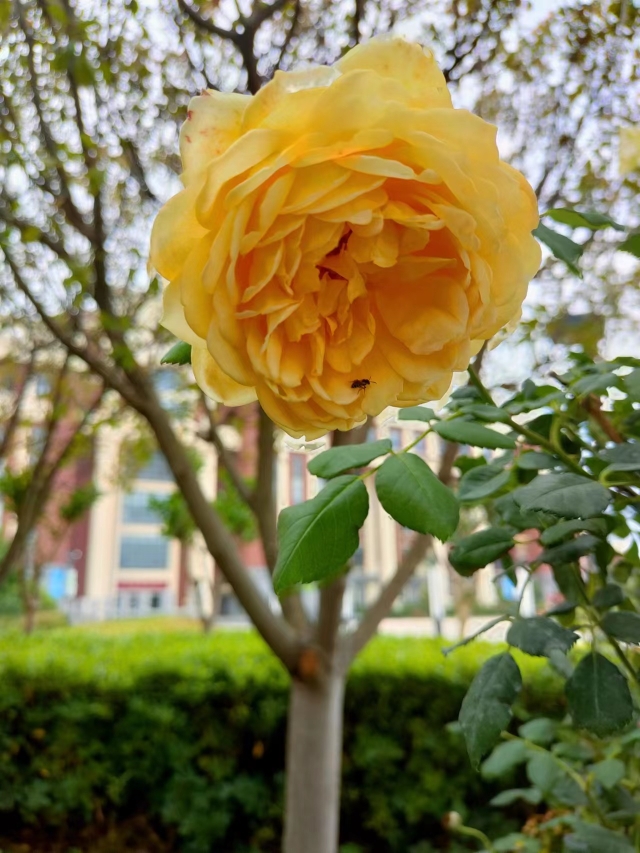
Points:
[(293, 26), (331, 596), (245, 44), (224, 455), (206, 24), (111, 375), (263, 504), (358, 14), (51, 242), (14, 418), (135, 388), (263, 499), (243, 37), (43, 476), (407, 566), (275, 631), (261, 12), (329, 618), (409, 563), (137, 169), (73, 214)]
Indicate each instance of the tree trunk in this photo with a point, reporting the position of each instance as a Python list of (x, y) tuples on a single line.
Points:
[(30, 606), (313, 765)]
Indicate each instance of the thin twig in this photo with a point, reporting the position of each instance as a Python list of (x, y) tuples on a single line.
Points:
[(206, 24), (486, 627), (224, 455), (297, 7)]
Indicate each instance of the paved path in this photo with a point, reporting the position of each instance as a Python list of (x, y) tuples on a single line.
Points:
[(450, 628), (407, 626)]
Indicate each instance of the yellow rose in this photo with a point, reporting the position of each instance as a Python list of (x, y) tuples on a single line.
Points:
[(629, 150), (345, 240)]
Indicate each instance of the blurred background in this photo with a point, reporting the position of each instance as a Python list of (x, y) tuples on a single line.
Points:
[(92, 99), (94, 533)]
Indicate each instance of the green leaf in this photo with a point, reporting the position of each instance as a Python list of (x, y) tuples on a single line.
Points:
[(623, 457), (517, 840), (623, 625), (631, 245), (608, 772), (563, 608), (482, 482), (511, 514), (598, 696), (552, 780), (179, 353), (467, 432), (507, 798), (539, 636), (558, 532), (486, 709), (412, 494), (476, 551), (466, 463), (567, 495), (337, 460), (542, 730), (561, 663), (533, 397), (484, 412), (417, 413), (565, 575), (589, 219), (534, 460), (609, 596), (561, 247), (504, 758), (569, 552), (595, 383), (631, 384), (598, 839), (316, 538)]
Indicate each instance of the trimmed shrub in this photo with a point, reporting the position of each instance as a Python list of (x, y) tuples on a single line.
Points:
[(182, 737)]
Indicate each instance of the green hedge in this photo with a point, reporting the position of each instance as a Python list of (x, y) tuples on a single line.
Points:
[(179, 739)]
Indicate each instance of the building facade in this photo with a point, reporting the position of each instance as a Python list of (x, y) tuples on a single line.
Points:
[(116, 561)]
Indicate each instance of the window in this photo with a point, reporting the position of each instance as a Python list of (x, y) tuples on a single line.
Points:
[(136, 509), (396, 439), (298, 470), (144, 552), (156, 469)]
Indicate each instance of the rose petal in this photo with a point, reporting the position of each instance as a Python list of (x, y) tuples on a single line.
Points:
[(216, 383), (213, 124)]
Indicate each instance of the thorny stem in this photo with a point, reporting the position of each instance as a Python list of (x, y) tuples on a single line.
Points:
[(486, 627)]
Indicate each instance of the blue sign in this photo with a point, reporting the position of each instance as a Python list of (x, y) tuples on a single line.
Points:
[(59, 581)]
